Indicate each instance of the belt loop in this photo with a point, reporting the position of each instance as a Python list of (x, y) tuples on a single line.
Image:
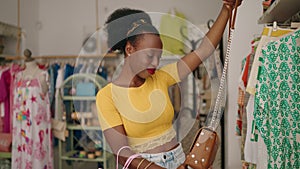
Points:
[(173, 155)]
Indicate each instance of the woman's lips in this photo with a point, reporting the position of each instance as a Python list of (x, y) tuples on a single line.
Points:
[(151, 71)]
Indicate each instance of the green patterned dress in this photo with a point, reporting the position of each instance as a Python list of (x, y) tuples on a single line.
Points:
[(277, 101)]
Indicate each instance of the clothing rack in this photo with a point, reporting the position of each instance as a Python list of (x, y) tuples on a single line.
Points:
[(64, 59), (108, 55)]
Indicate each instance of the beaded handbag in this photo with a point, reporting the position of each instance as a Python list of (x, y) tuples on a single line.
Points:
[(203, 150)]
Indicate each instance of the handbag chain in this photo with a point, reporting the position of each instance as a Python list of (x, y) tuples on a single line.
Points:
[(218, 109)]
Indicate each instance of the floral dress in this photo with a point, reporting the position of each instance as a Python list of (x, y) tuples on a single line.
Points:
[(32, 138), (277, 101)]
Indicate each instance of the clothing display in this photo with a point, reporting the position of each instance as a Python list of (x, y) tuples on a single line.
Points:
[(272, 111), (32, 138), (276, 110)]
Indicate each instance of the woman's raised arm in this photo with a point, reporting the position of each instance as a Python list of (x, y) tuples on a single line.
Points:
[(191, 61)]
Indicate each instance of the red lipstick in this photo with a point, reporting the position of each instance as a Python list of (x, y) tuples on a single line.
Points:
[(151, 71)]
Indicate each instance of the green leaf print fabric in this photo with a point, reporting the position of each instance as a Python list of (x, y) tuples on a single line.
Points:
[(277, 101)]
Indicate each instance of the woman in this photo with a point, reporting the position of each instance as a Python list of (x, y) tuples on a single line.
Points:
[(135, 109)]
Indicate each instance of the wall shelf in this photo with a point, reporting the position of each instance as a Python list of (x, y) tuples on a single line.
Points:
[(280, 11), (79, 98), (69, 156), (8, 30), (5, 155), (70, 148), (81, 127)]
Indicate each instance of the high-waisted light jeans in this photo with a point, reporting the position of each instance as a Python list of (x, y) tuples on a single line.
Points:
[(170, 159)]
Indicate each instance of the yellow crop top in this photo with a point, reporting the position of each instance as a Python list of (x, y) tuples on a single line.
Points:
[(146, 112)]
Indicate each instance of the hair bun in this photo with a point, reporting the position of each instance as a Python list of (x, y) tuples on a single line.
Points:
[(119, 23)]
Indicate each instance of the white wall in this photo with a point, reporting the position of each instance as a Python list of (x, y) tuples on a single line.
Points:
[(8, 12), (65, 23), (246, 27), (28, 19)]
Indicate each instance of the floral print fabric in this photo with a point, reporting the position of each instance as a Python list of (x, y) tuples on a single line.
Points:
[(32, 140), (277, 101)]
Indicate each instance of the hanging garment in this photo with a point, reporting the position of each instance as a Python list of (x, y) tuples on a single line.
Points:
[(276, 110), (244, 101), (262, 154), (170, 25), (250, 149), (32, 138), (238, 125), (52, 71), (4, 99), (267, 36), (59, 93), (255, 148)]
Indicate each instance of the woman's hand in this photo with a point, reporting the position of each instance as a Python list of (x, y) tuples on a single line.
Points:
[(182, 167), (230, 4)]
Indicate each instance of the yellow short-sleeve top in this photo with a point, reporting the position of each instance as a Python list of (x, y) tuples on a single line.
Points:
[(145, 111)]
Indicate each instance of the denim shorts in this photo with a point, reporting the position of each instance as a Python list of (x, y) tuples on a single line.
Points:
[(170, 159)]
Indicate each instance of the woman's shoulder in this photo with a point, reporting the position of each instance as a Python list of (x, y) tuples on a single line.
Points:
[(105, 91), (168, 67), (168, 71)]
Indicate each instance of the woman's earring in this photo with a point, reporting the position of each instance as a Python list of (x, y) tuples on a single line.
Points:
[(128, 54)]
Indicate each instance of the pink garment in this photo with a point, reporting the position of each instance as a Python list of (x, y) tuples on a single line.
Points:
[(14, 69), (4, 98), (32, 138)]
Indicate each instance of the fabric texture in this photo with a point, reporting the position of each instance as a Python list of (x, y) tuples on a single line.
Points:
[(32, 138), (267, 36), (146, 112), (277, 99)]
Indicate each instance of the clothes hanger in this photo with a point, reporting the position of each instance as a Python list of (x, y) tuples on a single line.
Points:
[(276, 30)]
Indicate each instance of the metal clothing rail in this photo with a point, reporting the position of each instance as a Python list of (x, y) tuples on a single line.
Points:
[(108, 55)]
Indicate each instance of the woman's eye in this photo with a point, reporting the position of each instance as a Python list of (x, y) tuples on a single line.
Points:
[(150, 56)]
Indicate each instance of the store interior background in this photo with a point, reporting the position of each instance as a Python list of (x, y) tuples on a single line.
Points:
[(58, 27)]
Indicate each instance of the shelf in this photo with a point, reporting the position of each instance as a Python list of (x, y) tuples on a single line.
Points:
[(5, 155), (8, 30), (72, 141), (83, 98), (68, 155), (80, 127), (4, 55), (280, 11)]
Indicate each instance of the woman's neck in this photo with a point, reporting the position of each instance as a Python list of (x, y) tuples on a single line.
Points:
[(127, 79)]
